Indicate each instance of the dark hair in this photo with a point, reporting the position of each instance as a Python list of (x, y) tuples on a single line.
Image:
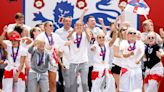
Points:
[(31, 32), (19, 15), (18, 29), (114, 32), (112, 23), (111, 34), (89, 17), (37, 25), (67, 17)]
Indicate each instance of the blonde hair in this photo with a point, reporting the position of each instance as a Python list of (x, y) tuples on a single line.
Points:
[(144, 23), (151, 34), (45, 23), (39, 40), (131, 29), (100, 34)]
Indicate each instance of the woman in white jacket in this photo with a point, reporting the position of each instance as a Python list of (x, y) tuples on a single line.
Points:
[(132, 52), (102, 78)]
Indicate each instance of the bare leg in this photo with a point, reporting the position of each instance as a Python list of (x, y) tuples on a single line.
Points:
[(52, 81), (117, 77)]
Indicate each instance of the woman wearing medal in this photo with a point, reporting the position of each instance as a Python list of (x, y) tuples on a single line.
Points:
[(117, 60), (40, 61), (154, 68), (79, 56), (102, 78), (52, 42), (132, 51), (14, 73)]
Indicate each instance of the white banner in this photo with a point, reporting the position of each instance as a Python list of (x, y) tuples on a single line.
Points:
[(37, 11)]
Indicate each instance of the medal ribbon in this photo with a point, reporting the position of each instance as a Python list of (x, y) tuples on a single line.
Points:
[(14, 55), (78, 40), (51, 41), (103, 52), (131, 48), (40, 59)]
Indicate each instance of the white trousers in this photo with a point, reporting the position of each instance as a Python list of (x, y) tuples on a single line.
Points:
[(153, 77), (9, 85), (105, 83), (130, 80)]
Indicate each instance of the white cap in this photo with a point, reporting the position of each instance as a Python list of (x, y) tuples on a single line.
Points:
[(131, 29)]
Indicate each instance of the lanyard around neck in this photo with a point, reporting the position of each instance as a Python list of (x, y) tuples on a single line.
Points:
[(103, 52), (14, 55)]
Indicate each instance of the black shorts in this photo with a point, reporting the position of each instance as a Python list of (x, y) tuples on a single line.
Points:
[(116, 69), (1, 74)]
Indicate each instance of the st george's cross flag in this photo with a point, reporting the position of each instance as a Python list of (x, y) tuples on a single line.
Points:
[(138, 6)]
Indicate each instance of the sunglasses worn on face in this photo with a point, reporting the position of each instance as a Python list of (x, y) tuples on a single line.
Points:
[(50, 25), (101, 37), (151, 38), (134, 33), (123, 29), (79, 25)]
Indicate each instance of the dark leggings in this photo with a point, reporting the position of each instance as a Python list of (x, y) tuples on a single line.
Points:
[(89, 78)]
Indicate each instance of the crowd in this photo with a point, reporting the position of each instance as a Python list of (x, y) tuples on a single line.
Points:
[(120, 60)]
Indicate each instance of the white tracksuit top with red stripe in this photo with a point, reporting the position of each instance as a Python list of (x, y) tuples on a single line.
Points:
[(99, 64), (21, 52)]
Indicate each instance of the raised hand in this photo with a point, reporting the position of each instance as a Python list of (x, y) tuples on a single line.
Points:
[(101, 20), (85, 28), (93, 48), (85, 10), (5, 28), (161, 30), (122, 5)]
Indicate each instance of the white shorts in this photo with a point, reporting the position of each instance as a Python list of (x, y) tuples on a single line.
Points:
[(53, 68)]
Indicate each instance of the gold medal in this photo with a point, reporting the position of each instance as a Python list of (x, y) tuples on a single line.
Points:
[(14, 65), (77, 49), (103, 62)]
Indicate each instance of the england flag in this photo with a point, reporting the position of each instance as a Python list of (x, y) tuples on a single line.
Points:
[(138, 6), (38, 11)]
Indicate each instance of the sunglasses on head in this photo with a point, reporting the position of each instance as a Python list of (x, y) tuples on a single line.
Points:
[(101, 37), (134, 33), (151, 38)]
